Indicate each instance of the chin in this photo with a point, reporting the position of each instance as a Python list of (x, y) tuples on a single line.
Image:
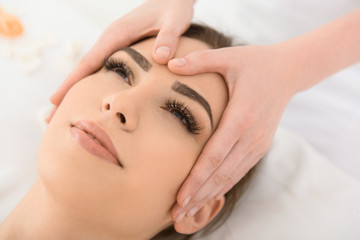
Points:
[(62, 173)]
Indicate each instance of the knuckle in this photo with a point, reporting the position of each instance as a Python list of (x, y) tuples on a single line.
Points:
[(249, 119), (267, 146), (206, 199), (228, 187), (229, 181), (254, 161), (197, 179), (115, 29), (260, 136), (220, 179), (202, 55), (203, 198), (170, 32), (264, 147), (215, 160), (245, 121)]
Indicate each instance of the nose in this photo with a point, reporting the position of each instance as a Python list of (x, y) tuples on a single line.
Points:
[(122, 112)]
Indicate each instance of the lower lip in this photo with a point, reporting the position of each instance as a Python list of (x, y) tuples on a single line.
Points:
[(89, 144)]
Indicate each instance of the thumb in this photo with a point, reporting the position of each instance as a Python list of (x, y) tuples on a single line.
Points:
[(166, 43), (214, 60)]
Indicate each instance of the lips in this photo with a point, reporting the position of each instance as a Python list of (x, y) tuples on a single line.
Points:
[(95, 140)]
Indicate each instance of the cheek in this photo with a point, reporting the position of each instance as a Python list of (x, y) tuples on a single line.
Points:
[(79, 101), (161, 163), (55, 145), (78, 182), (141, 194)]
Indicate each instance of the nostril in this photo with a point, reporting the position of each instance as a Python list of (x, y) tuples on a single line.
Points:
[(121, 117), (107, 106)]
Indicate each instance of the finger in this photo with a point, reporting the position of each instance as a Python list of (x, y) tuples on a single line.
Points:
[(113, 39), (221, 187), (178, 213), (227, 173), (53, 110), (246, 165), (240, 172), (87, 65), (213, 154), (167, 41), (213, 60)]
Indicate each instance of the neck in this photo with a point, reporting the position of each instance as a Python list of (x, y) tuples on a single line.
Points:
[(38, 217)]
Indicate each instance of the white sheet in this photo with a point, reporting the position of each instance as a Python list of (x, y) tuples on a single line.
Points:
[(296, 194), (327, 116)]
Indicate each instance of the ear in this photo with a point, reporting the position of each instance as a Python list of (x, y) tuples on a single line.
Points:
[(189, 225)]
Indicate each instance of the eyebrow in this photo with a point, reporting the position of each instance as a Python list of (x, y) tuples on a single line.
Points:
[(185, 90), (177, 86), (138, 58)]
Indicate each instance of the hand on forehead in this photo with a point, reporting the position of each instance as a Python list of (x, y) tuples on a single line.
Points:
[(207, 85)]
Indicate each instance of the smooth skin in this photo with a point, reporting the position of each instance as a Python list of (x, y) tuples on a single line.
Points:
[(80, 196), (261, 81)]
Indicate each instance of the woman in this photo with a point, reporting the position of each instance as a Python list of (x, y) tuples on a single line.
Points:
[(119, 147), (275, 73)]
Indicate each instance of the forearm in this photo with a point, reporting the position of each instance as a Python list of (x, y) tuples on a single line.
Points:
[(325, 50)]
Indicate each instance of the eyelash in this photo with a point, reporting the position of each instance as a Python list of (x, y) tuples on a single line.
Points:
[(118, 66), (186, 116), (173, 106)]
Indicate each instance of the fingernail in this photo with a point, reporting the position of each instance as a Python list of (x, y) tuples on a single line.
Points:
[(179, 62), (192, 212), (163, 52), (186, 201), (180, 217)]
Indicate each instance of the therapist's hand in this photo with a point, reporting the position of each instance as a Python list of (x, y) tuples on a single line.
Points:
[(167, 19), (261, 81)]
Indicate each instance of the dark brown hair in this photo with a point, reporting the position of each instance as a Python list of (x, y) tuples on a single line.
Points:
[(215, 40)]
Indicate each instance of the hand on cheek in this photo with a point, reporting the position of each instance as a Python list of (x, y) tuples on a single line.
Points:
[(191, 224), (258, 93)]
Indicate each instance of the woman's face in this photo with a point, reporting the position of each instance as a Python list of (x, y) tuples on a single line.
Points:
[(151, 116)]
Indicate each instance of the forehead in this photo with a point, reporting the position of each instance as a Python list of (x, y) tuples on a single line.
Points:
[(210, 85), (185, 46)]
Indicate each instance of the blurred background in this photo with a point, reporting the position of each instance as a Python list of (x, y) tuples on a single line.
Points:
[(57, 33)]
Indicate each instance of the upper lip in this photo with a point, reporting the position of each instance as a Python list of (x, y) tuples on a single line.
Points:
[(100, 134)]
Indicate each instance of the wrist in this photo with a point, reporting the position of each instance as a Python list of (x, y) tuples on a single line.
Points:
[(285, 66)]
